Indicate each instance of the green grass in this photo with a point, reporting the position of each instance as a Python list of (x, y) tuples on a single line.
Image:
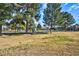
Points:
[(59, 39)]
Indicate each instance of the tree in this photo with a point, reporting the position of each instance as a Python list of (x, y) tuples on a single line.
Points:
[(17, 22), (17, 16), (66, 20), (4, 14), (30, 13), (51, 14), (54, 17)]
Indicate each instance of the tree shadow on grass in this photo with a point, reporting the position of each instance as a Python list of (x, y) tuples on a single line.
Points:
[(21, 33)]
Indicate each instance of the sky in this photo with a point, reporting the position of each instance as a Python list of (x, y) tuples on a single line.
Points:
[(72, 8), (43, 6)]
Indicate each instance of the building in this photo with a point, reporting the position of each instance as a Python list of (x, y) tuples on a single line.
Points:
[(74, 27)]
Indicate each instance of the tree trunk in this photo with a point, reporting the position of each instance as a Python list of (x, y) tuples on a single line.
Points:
[(26, 26), (34, 25), (65, 27), (51, 28), (0, 30)]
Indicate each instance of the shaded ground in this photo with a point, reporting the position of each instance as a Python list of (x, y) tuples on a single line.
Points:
[(18, 33), (57, 43)]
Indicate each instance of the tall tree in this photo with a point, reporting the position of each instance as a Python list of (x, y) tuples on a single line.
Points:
[(51, 14), (4, 13), (30, 13)]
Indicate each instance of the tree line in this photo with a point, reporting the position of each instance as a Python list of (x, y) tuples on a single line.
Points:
[(25, 14)]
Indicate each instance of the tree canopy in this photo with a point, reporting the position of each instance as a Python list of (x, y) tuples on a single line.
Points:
[(25, 15)]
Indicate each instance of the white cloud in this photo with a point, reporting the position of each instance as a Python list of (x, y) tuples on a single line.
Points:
[(73, 7), (66, 4), (77, 7)]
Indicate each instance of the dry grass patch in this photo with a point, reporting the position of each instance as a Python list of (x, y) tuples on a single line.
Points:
[(57, 43)]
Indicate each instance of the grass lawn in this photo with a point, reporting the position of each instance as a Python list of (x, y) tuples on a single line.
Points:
[(57, 43)]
